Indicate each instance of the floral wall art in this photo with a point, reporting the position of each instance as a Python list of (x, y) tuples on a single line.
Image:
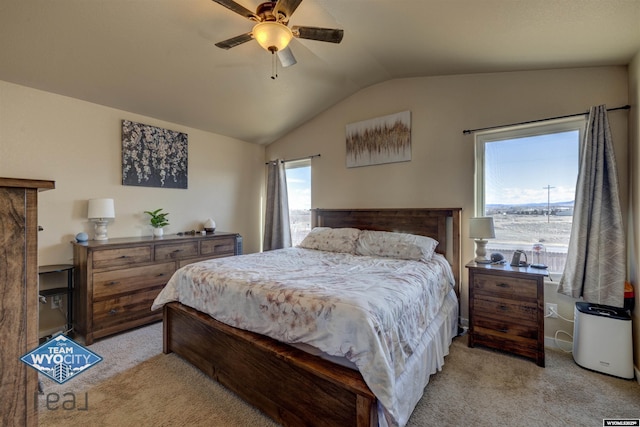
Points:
[(384, 139), (153, 157)]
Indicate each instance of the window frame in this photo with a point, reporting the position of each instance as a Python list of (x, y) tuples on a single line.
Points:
[(518, 131), (547, 127), (295, 164)]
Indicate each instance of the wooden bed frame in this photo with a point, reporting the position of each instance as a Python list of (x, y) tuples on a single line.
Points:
[(289, 385)]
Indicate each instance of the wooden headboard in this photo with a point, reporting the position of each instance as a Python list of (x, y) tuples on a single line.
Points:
[(442, 224)]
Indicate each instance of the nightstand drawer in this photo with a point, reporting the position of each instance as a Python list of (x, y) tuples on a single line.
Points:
[(121, 256), (508, 327), (522, 346), (508, 287), (226, 246), (128, 280), (176, 251), (500, 308)]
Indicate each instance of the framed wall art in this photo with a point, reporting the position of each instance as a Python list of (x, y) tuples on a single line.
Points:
[(381, 140), (153, 157)]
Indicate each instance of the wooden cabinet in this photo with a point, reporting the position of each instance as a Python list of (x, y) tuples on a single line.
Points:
[(506, 309), (19, 302), (116, 280)]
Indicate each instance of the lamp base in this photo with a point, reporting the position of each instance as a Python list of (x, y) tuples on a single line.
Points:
[(100, 228), (481, 252)]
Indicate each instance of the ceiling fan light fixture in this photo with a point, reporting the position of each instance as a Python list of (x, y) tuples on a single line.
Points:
[(272, 36)]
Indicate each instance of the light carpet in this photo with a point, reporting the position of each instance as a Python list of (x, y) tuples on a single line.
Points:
[(137, 385)]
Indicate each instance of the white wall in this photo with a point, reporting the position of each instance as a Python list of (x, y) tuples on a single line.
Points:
[(441, 172), (78, 145)]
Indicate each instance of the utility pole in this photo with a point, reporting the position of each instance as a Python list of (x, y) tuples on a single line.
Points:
[(548, 188)]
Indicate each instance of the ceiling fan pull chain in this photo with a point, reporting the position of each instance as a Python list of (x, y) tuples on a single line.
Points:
[(274, 65)]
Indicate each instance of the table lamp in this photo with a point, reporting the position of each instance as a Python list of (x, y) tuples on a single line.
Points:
[(481, 228), (100, 211)]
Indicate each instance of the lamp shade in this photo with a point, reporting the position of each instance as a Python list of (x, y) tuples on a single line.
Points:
[(481, 228), (101, 208), (272, 36)]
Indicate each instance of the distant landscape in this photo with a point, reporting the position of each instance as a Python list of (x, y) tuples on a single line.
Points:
[(520, 226), (300, 220)]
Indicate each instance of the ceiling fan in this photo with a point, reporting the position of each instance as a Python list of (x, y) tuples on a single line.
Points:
[(271, 30)]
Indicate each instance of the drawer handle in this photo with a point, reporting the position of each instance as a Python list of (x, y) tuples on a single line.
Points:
[(113, 311), (177, 250), (160, 275), (124, 256), (503, 307), (113, 282), (504, 330), (503, 285)]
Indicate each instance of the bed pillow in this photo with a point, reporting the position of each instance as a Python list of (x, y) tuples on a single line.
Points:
[(331, 239), (395, 245)]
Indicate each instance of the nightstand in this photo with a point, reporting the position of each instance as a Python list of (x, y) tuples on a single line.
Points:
[(66, 269), (506, 309)]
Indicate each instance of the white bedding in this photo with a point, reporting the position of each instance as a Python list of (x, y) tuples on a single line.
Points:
[(373, 311)]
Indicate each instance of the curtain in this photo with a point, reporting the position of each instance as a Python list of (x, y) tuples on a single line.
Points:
[(595, 268), (277, 232)]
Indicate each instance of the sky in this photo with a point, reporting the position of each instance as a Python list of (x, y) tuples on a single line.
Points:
[(299, 187), (520, 170)]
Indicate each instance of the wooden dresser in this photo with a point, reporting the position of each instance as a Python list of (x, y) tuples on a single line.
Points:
[(19, 302), (506, 309), (116, 280)]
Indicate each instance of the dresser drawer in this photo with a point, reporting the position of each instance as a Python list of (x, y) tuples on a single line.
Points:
[(117, 312), (226, 246), (508, 287), (110, 283), (505, 309), (121, 257), (176, 251)]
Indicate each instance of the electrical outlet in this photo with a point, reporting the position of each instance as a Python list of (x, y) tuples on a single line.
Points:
[(55, 301), (552, 310)]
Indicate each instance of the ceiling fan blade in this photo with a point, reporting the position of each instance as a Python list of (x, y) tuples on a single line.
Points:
[(234, 41), (240, 10), (331, 35), (287, 7), (286, 57)]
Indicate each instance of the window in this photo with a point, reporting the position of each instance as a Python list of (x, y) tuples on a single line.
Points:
[(299, 191), (526, 179)]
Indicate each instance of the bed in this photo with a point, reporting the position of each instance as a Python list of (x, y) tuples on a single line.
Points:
[(318, 381)]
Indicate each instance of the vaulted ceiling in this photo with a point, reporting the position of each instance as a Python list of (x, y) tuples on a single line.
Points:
[(157, 57)]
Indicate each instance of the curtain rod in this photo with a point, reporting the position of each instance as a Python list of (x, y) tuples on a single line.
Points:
[(468, 131), (295, 160)]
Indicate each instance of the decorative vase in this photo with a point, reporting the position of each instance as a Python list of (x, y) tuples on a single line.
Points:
[(158, 232), (209, 226)]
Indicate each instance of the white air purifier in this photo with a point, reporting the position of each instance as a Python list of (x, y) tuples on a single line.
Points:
[(602, 339)]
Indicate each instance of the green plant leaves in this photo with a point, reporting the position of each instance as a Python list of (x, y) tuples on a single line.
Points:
[(158, 219)]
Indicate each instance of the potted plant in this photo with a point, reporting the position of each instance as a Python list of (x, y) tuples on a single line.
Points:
[(158, 221)]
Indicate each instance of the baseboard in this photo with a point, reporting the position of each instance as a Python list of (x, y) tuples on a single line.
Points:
[(464, 322), (558, 344), (50, 332)]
